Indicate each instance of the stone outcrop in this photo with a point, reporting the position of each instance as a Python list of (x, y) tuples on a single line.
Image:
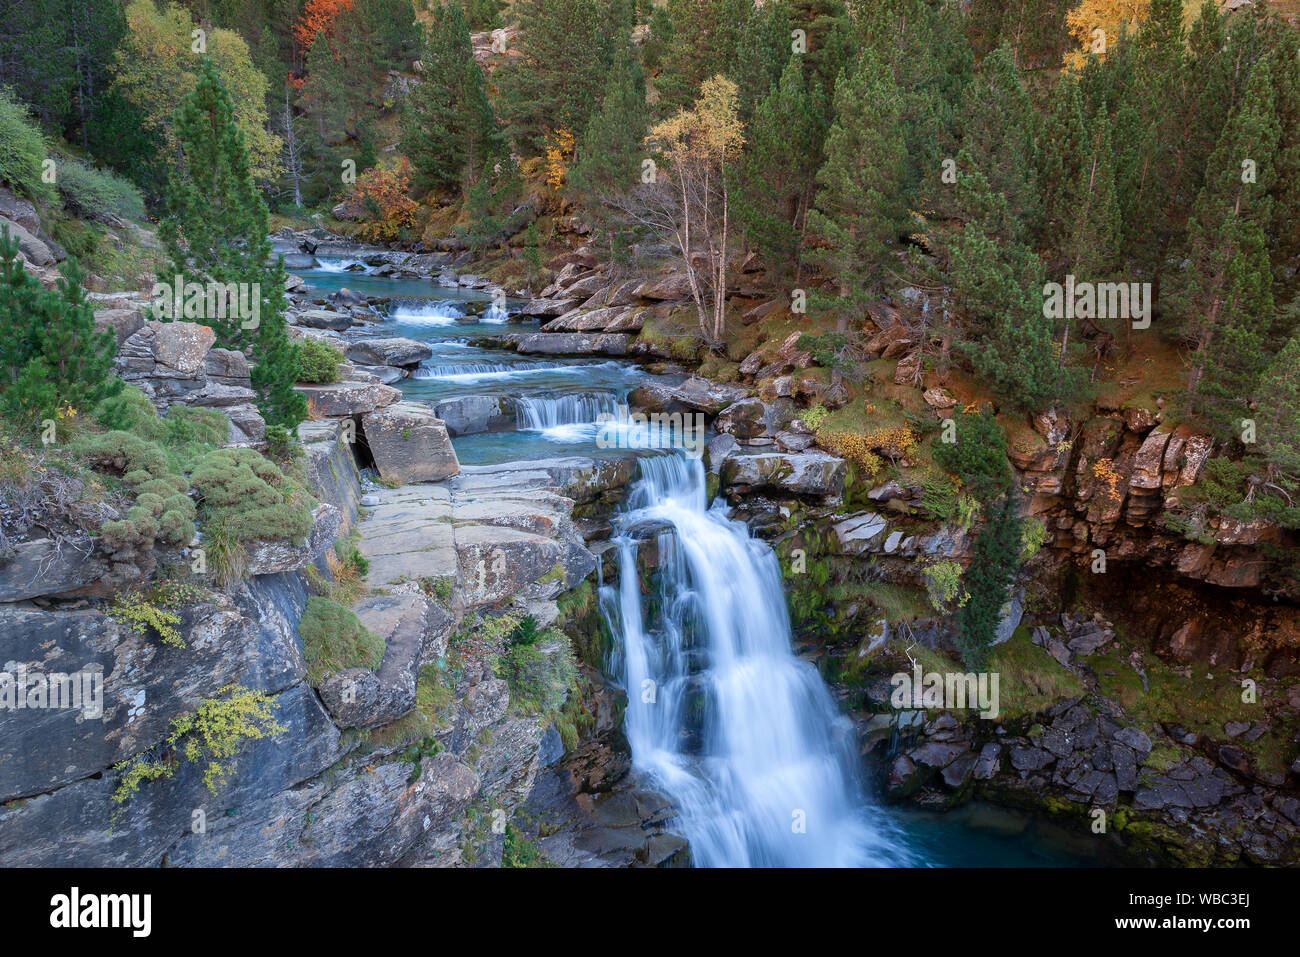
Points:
[(174, 363), (409, 444)]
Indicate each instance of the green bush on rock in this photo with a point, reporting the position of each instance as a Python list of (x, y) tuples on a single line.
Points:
[(250, 498), (333, 639), (318, 362)]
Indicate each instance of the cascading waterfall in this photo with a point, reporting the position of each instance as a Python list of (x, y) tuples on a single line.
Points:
[(473, 371), (721, 714), (341, 265), (444, 312), (550, 411)]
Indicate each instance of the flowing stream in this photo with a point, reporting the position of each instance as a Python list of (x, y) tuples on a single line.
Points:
[(738, 731), (722, 715)]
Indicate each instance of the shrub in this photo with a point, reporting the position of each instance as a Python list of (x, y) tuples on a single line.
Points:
[(51, 354), (943, 585), (22, 150), (333, 639), (162, 510), (142, 616), (979, 454), (318, 362), (250, 498), (539, 677), (98, 194), (211, 734), (854, 447)]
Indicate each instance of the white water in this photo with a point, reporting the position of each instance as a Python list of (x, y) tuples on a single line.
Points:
[(440, 313), (563, 418), (741, 734), (494, 314), (341, 265), (473, 371)]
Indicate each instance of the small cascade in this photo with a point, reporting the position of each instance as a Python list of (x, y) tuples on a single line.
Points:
[(341, 265), (721, 714), (473, 371), (440, 312)]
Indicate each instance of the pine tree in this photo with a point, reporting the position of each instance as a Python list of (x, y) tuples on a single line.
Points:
[(1062, 166), (705, 42), (859, 210), (780, 169), (763, 49), (51, 355), (216, 231), (996, 128), (1278, 401), (448, 128), (557, 81), (1234, 356), (987, 582), (998, 289), (1227, 231), (609, 154)]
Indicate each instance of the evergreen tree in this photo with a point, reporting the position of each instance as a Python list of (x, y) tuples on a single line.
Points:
[(216, 231), (705, 41), (780, 169), (764, 48), (1278, 402), (998, 288), (1062, 167), (859, 208), (1235, 352), (51, 355), (609, 154), (996, 128), (449, 130), (1227, 236), (557, 81), (987, 582)]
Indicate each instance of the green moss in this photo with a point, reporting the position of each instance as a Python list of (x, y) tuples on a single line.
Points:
[(333, 639), (1030, 679)]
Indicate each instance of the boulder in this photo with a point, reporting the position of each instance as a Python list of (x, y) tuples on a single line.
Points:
[(36, 251), (182, 346), (469, 414), (410, 444), (396, 351), (323, 319), (341, 399), (799, 473), (359, 698), (269, 557), (574, 343), (754, 418)]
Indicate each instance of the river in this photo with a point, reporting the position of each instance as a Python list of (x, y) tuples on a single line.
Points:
[(722, 715)]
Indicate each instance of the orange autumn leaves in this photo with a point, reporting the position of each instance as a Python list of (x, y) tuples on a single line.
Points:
[(317, 15)]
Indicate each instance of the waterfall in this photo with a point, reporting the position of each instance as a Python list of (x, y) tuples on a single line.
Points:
[(341, 265), (721, 714), (472, 371), (575, 408), (443, 312)]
